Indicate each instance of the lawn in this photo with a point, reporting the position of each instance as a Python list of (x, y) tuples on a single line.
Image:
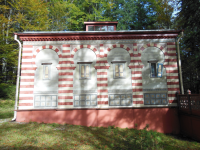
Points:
[(54, 136)]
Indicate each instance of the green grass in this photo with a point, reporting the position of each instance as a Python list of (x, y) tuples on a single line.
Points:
[(54, 136), (6, 109)]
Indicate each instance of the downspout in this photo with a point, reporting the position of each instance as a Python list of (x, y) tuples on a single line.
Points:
[(179, 63), (18, 73)]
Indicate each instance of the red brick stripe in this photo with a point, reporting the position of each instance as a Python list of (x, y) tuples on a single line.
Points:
[(173, 89), (102, 79), (27, 57), (136, 78), (66, 45), (65, 91), (173, 77), (28, 68), (65, 79), (25, 104), (27, 80), (137, 90), (66, 51), (171, 71), (65, 103), (102, 96), (172, 83), (136, 72), (24, 51), (101, 73), (102, 67), (66, 68), (137, 96), (171, 43), (65, 73), (100, 91), (138, 102), (102, 102), (27, 46), (65, 97), (26, 86), (27, 74), (65, 85), (104, 84), (26, 92), (25, 98), (136, 84)]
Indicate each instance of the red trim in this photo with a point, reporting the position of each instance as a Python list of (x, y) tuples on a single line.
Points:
[(172, 77), (137, 96), (101, 91), (26, 92), (171, 71), (65, 97), (103, 84), (101, 73), (65, 73), (66, 45), (102, 96), (65, 79), (27, 80), (25, 98), (172, 83), (25, 104), (65, 68), (27, 57), (136, 84), (65, 103), (27, 74), (137, 90), (65, 91), (136, 72), (26, 86), (102, 102), (27, 46), (65, 85), (138, 102), (66, 51), (102, 79)]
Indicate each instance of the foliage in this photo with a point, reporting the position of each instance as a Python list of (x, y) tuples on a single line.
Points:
[(190, 55), (6, 108), (55, 136), (7, 91)]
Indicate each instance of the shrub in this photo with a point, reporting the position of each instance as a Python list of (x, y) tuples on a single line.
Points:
[(7, 91)]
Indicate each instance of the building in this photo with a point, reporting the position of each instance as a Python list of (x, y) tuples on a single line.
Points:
[(100, 78)]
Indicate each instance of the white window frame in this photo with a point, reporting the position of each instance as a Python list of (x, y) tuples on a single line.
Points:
[(46, 73), (155, 64), (84, 64), (119, 63)]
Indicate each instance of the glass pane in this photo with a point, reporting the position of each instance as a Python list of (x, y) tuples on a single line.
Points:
[(82, 97), (82, 71), (103, 28), (110, 28), (116, 68), (90, 28), (153, 69), (121, 74), (121, 68), (87, 71), (46, 72), (97, 28), (117, 74)]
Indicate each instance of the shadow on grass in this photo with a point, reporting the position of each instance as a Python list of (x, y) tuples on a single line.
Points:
[(54, 136)]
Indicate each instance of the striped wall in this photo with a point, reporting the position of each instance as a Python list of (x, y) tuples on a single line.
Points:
[(66, 68)]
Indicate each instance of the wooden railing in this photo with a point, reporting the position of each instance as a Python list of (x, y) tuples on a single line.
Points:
[(189, 104)]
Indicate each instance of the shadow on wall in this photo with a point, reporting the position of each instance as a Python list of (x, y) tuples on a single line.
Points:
[(163, 120)]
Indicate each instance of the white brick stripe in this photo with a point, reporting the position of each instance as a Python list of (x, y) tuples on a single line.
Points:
[(26, 107), (65, 106)]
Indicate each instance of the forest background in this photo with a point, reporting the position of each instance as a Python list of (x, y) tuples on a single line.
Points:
[(69, 15)]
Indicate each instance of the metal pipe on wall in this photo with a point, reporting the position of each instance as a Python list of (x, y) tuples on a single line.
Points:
[(179, 63), (18, 73)]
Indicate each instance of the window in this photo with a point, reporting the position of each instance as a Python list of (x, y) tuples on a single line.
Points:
[(119, 69), (45, 101), (155, 69), (155, 99), (84, 70), (46, 71), (120, 99), (85, 100), (100, 28)]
